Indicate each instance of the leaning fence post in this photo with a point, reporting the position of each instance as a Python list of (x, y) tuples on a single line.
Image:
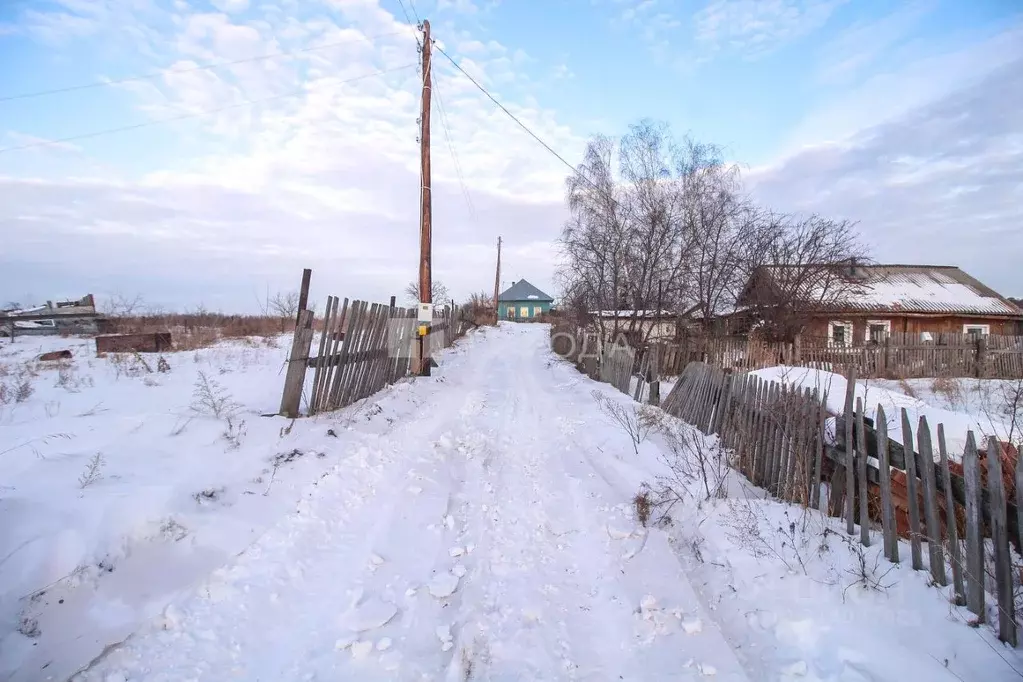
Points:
[(891, 535), (291, 399), (955, 555), (1019, 499), (655, 376), (818, 457), (861, 473), (937, 557), (974, 539), (912, 493), (1000, 540), (850, 483), (303, 295)]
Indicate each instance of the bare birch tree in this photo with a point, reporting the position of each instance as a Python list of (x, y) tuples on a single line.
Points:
[(659, 222)]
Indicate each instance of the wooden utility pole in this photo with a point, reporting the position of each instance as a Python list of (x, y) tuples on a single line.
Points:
[(426, 203), (497, 277)]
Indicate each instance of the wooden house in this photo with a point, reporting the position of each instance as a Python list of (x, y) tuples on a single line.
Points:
[(855, 304), (522, 302)]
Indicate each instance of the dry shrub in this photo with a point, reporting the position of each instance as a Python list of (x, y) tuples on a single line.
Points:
[(906, 388), (643, 505), (630, 418), (210, 399), (191, 331), (23, 391), (951, 390)]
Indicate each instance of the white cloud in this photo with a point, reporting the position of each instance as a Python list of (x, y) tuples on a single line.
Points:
[(939, 184), (324, 177), (910, 84), (756, 27), (460, 6), (862, 44), (38, 144), (231, 6)]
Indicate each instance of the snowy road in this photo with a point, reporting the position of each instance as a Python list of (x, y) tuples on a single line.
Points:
[(487, 538)]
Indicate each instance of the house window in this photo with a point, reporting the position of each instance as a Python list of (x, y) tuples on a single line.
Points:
[(840, 333), (511, 312), (524, 311), (537, 311), (878, 330), (977, 329)]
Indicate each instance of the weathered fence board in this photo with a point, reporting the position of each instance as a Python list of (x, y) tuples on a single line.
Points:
[(951, 523), (363, 347), (913, 495), (935, 556), (899, 355), (766, 426), (1000, 540)]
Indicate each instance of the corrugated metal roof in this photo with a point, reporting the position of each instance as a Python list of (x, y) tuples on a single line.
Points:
[(923, 289), (523, 291)]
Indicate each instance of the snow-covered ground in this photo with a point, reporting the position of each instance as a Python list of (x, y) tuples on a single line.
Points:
[(476, 524)]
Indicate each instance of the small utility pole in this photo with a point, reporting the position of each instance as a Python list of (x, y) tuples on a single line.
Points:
[(426, 203), (497, 278)]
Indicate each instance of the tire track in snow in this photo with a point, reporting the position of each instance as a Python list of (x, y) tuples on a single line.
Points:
[(546, 593)]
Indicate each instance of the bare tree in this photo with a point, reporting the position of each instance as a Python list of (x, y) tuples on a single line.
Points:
[(479, 309), (285, 306), (621, 244), (437, 289), (804, 265), (120, 305), (657, 222)]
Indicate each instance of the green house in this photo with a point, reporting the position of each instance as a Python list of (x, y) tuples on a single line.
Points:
[(522, 301)]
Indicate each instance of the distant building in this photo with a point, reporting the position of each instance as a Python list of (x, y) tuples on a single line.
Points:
[(638, 326), (875, 301), (68, 317), (522, 301)]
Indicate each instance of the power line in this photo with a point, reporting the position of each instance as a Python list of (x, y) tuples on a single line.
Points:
[(412, 4), (404, 11), (199, 114), (191, 69), (454, 156), (513, 117)]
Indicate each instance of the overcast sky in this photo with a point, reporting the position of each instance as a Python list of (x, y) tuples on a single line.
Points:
[(904, 116)]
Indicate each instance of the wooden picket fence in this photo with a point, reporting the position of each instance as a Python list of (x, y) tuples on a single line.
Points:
[(780, 442), (616, 365), (898, 356), (776, 432), (363, 347), (613, 363)]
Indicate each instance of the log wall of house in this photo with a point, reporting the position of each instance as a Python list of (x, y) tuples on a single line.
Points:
[(911, 324)]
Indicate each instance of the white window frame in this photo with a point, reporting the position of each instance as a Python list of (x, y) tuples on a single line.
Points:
[(887, 324), (848, 336), (985, 329)]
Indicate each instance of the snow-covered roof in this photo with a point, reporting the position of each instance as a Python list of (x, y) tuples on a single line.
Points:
[(632, 313), (930, 289)]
